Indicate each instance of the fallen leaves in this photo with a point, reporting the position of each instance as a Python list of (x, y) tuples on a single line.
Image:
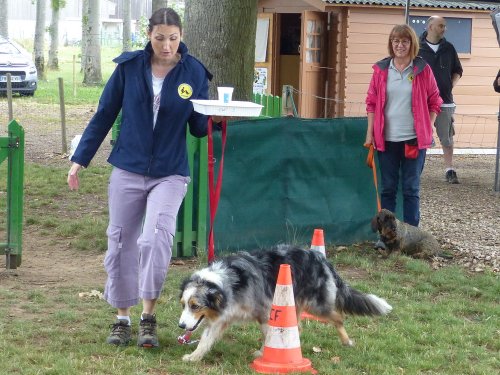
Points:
[(92, 294)]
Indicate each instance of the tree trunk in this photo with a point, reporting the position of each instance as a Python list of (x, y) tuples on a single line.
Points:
[(39, 38), (221, 33), (54, 37), (92, 71), (4, 18), (85, 33), (127, 44), (158, 4)]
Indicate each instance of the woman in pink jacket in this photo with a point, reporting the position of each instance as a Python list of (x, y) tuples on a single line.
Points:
[(402, 104)]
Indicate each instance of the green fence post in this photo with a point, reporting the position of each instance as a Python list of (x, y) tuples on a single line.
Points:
[(265, 103), (192, 226), (183, 241), (202, 194), (277, 106), (12, 148), (271, 105)]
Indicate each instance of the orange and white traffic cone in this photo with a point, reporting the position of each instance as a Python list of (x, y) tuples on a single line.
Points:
[(282, 353), (317, 244), (318, 241)]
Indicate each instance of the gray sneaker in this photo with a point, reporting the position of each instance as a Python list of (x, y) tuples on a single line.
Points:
[(379, 245), (451, 177), (147, 338), (120, 333)]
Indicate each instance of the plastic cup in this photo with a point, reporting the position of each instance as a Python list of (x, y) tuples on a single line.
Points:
[(225, 94)]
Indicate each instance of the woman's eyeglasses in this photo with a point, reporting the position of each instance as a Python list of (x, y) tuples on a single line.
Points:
[(404, 42)]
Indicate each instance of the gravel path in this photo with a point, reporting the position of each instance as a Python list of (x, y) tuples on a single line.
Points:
[(465, 218)]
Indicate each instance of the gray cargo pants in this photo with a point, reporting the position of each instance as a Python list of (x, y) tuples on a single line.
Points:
[(142, 218)]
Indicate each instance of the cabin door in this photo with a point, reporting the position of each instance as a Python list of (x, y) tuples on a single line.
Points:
[(313, 62)]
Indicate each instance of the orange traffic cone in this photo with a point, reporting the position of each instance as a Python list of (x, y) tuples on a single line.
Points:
[(282, 352), (318, 241), (317, 244)]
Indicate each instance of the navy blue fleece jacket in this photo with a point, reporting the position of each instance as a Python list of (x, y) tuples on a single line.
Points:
[(139, 148)]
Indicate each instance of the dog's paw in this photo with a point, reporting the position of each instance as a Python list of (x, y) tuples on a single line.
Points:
[(349, 343), (191, 357), (383, 253)]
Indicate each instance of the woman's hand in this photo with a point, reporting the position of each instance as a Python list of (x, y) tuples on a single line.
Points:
[(73, 182), (368, 140), (369, 131)]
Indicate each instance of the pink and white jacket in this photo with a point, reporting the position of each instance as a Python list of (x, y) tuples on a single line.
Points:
[(425, 99)]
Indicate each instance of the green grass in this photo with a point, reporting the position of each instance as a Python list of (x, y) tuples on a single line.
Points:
[(48, 91), (75, 92), (444, 321), (71, 216)]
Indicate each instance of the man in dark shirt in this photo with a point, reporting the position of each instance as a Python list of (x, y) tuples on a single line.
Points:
[(443, 59)]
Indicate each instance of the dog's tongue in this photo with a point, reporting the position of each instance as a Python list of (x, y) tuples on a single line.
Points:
[(184, 338)]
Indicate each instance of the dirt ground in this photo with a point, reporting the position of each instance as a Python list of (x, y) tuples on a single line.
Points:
[(465, 218)]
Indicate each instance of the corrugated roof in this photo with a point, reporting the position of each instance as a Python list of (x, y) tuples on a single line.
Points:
[(471, 5)]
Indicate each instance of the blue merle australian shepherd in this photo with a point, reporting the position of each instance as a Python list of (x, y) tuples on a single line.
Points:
[(241, 287)]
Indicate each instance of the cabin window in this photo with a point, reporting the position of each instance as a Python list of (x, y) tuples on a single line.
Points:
[(458, 31), (313, 41), (261, 36)]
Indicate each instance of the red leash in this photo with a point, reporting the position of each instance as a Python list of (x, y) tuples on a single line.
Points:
[(370, 162), (214, 191)]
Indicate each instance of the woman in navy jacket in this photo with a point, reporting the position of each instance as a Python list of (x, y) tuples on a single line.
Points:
[(152, 88)]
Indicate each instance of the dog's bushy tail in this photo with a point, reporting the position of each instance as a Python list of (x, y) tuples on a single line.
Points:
[(354, 302)]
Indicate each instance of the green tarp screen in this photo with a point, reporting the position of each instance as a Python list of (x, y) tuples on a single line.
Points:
[(284, 177)]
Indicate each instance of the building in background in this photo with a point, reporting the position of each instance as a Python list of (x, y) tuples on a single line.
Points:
[(325, 49)]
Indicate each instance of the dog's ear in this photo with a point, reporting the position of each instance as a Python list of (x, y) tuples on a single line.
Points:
[(216, 299), (183, 286), (375, 223)]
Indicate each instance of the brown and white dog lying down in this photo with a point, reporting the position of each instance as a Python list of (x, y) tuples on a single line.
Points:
[(399, 237), (241, 287)]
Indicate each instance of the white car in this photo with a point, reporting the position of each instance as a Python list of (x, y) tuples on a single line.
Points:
[(15, 60)]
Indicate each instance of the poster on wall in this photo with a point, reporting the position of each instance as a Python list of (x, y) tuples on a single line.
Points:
[(260, 81)]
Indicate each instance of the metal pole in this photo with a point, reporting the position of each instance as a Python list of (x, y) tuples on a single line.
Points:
[(407, 12), (496, 187), (63, 116), (9, 97), (74, 76)]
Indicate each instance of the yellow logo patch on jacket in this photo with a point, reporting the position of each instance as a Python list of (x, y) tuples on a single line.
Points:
[(185, 91)]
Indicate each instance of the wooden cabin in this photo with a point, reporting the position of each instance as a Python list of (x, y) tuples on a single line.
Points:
[(325, 49)]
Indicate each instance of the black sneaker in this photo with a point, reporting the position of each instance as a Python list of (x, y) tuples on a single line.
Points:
[(147, 337), (451, 177), (120, 333)]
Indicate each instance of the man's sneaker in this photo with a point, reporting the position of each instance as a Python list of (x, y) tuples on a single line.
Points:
[(120, 333), (147, 337), (451, 177)]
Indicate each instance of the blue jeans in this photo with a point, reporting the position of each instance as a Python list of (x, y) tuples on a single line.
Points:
[(391, 162)]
